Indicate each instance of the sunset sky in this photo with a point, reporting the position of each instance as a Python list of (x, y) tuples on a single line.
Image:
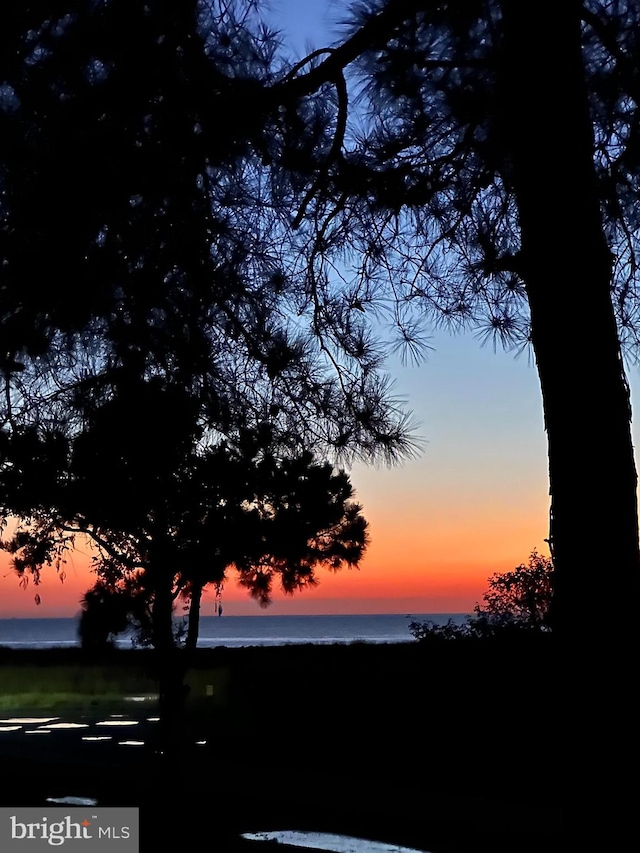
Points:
[(475, 501)]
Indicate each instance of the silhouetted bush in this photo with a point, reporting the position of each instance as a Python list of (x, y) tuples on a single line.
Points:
[(111, 610), (432, 631), (516, 602)]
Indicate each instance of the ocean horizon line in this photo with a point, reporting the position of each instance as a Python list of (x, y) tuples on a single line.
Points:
[(439, 614), (236, 630)]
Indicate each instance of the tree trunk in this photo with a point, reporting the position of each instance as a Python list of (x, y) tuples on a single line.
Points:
[(566, 265), (170, 665), (193, 627), (162, 610)]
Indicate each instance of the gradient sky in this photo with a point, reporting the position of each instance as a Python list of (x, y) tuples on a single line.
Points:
[(475, 502)]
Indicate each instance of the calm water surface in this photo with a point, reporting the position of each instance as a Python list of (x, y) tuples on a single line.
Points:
[(234, 631)]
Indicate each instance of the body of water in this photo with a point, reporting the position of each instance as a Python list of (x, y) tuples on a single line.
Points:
[(234, 631)]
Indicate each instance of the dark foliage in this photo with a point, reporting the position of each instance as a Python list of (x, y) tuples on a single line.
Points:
[(177, 517), (520, 598), (155, 314), (477, 184), (516, 603), (245, 259), (144, 237), (109, 610)]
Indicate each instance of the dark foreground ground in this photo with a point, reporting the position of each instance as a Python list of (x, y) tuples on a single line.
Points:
[(449, 748)]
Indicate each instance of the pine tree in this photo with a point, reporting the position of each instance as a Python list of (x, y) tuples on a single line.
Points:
[(485, 179)]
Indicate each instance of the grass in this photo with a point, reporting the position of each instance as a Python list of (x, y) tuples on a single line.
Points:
[(76, 704), (65, 683)]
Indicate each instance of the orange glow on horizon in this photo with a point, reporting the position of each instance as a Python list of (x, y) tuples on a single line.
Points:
[(439, 570), (431, 551)]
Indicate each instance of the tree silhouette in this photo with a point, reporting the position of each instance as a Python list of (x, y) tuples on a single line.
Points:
[(109, 609), (175, 508), (214, 254), (150, 312), (439, 185), (179, 317), (515, 601), (442, 195), (125, 182), (171, 513), (488, 179), (246, 509), (172, 263), (250, 513), (520, 598)]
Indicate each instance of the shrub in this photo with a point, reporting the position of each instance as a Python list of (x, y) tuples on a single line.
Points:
[(516, 601)]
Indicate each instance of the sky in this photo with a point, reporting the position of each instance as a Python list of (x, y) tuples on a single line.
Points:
[(475, 502)]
